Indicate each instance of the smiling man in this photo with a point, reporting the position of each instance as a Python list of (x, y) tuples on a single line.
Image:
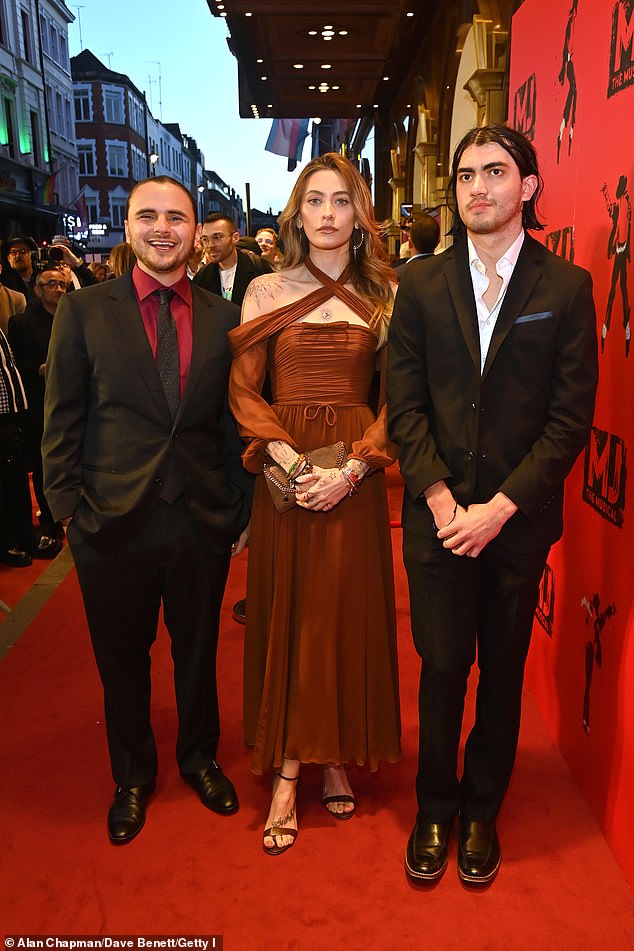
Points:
[(143, 463), (492, 371)]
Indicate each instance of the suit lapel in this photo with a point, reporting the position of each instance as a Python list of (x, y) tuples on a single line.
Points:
[(525, 275), (461, 289), (128, 317), (242, 277)]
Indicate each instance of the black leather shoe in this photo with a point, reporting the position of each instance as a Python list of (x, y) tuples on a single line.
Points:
[(240, 611), (214, 789), (47, 547), (17, 558), (127, 813), (426, 855), (479, 854)]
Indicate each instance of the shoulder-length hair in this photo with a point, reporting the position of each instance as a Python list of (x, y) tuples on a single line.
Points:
[(522, 153), (370, 271)]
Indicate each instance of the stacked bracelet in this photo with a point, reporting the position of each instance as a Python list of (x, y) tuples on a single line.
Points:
[(352, 478), (297, 467)]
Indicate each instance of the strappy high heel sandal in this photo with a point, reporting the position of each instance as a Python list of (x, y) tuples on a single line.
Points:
[(278, 827), (342, 797)]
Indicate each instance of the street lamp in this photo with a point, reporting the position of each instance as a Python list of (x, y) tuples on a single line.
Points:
[(153, 160)]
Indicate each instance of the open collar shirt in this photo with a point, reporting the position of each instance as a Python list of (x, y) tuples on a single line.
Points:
[(181, 307), (504, 268)]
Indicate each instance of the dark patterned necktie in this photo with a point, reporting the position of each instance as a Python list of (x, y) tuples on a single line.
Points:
[(167, 361), (168, 367)]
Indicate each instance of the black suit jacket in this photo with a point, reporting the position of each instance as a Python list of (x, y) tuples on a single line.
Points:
[(108, 433), (248, 267), (517, 427)]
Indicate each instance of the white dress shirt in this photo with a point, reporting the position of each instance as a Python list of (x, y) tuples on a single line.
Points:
[(504, 269)]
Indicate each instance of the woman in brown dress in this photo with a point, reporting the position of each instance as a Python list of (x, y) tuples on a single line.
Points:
[(320, 679)]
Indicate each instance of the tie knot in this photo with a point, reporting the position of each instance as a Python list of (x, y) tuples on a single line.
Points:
[(165, 294)]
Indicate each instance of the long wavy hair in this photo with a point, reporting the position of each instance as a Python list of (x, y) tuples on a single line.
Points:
[(522, 153), (370, 271)]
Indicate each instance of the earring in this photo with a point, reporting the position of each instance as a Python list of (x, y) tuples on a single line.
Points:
[(299, 224), (356, 246)]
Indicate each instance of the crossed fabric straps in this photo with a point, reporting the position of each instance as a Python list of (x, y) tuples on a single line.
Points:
[(261, 328)]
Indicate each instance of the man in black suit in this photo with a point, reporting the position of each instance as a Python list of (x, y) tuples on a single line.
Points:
[(228, 273), (142, 459), (424, 235), (29, 336), (492, 371), (229, 270)]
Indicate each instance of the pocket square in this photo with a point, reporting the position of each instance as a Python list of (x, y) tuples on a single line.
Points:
[(526, 318)]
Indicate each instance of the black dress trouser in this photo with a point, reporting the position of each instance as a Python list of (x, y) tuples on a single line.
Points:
[(458, 605), (168, 562), (16, 510)]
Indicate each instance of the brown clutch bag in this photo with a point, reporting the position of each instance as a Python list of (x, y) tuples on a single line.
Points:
[(283, 489)]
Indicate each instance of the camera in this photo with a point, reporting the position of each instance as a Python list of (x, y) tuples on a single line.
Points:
[(48, 256)]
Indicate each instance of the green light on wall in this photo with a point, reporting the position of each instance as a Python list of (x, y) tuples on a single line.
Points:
[(46, 158), (25, 142), (4, 130)]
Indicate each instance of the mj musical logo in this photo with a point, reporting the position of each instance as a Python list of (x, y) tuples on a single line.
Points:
[(621, 61), (562, 243), (605, 475), (525, 107)]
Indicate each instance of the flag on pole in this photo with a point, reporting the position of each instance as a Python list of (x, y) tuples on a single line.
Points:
[(45, 193), (81, 207), (287, 138)]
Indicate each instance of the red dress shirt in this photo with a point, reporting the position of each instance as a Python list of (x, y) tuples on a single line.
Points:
[(181, 306)]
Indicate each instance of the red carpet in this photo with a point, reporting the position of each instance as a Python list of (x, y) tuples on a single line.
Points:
[(191, 872)]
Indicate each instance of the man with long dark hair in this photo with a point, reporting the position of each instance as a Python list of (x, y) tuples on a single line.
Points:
[(492, 371)]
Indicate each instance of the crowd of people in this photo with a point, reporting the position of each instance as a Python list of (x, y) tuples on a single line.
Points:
[(221, 392)]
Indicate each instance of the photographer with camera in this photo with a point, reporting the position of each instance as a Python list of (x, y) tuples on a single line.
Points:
[(76, 272), (29, 336)]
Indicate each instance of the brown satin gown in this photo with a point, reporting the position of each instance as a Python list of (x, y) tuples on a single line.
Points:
[(320, 668)]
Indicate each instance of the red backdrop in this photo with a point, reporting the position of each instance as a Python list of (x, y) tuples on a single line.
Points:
[(572, 92)]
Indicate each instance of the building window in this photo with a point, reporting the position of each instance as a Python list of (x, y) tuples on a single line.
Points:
[(50, 106), (83, 104), (59, 114), (117, 212), (113, 107), (26, 36), (44, 33), (92, 207), (135, 111), (139, 163), (7, 127), (117, 159), (54, 44), (68, 116), (63, 52), (35, 138), (86, 154)]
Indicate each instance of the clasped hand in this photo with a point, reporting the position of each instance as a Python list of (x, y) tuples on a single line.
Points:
[(321, 489), (471, 529)]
